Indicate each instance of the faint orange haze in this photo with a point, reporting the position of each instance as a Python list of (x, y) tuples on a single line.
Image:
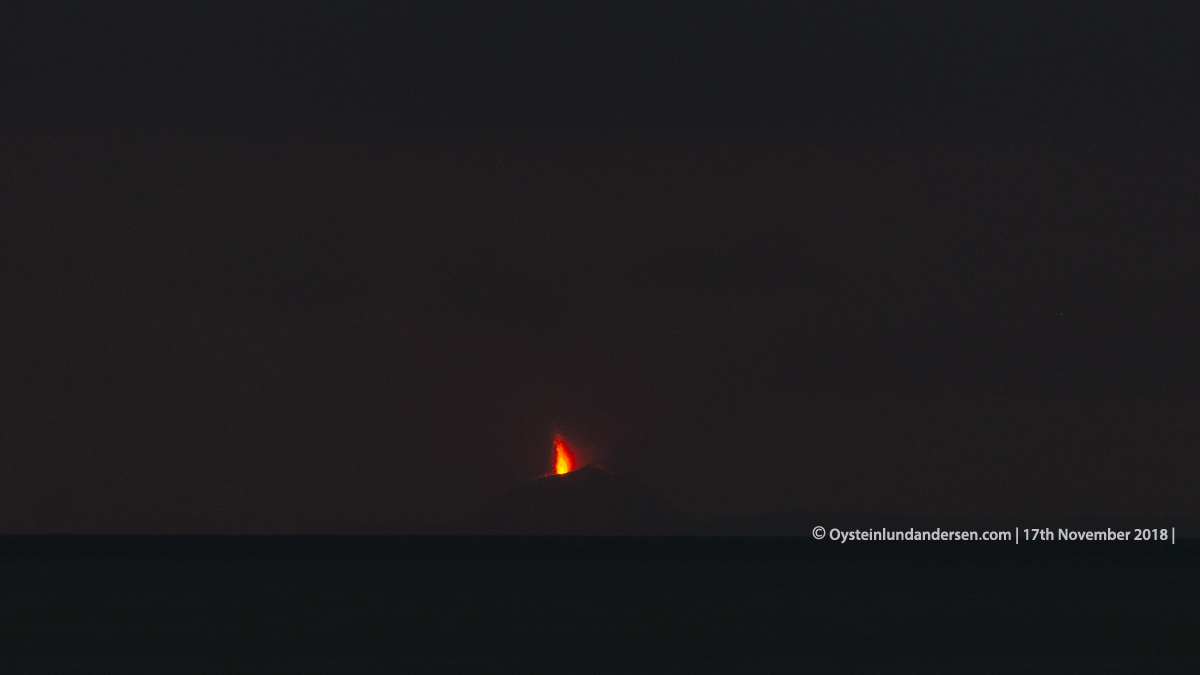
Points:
[(564, 459)]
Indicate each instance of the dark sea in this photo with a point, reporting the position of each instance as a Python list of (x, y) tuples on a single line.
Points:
[(94, 604)]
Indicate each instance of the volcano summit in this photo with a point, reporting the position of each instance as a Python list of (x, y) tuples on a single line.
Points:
[(591, 501)]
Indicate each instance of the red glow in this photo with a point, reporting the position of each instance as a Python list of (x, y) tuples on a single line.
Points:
[(564, 459)]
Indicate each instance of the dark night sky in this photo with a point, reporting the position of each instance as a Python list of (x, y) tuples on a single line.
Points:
[(312, 268)]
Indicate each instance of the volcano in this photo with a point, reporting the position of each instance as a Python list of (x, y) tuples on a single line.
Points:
[(591, 501)]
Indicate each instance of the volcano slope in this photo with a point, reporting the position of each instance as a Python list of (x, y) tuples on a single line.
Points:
[(591, 501)]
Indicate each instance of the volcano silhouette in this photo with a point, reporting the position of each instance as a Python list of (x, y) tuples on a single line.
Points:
[(591, 501)]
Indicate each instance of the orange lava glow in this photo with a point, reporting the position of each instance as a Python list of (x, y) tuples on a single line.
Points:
[(564, 459)]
